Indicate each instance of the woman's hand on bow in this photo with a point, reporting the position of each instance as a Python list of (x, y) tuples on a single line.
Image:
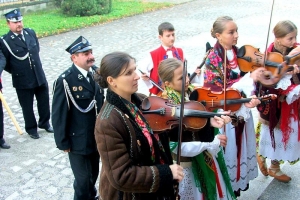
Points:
[(177, 172)]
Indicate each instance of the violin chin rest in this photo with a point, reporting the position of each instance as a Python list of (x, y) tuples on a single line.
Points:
[(146, 104), (194, 96), (241, 52)]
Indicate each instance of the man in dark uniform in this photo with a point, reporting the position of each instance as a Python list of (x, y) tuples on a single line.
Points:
[(21, 48), (3, 144), (77, 99)]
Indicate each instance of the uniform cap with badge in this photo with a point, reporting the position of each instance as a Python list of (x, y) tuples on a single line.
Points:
[(14, 15), (81, 44)]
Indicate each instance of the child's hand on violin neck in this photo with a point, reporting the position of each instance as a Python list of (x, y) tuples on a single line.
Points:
[(295, 70), (219, 122), (295, 51), (257, 73), (254, 102)]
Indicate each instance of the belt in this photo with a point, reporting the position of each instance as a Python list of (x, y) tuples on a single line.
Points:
[(184, 164), (182, 159)]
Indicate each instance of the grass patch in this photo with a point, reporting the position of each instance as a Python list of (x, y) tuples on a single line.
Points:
[(53, 22)]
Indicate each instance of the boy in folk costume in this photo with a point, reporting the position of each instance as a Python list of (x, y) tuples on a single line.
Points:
[(166, 50)]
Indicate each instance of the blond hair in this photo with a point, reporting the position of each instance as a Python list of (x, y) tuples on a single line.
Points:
[(219, 25), (167, 67), (282, 28)]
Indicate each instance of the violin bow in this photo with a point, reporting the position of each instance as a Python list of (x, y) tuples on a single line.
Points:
[(180, 129), (208, 48), (224, 85), (152, 81), (266, 47)]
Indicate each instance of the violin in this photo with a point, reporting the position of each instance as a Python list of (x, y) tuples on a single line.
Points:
[(162, 115), (215, 100), (276, 65)]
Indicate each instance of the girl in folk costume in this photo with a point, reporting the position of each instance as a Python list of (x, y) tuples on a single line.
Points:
[(278, 129), (240, 150), (205, 173), (136, 163)]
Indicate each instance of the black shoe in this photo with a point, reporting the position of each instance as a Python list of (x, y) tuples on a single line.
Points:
[(49, 129), (34, 136), (5, 146)]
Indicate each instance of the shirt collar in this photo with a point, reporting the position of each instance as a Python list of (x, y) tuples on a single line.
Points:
[(83, 71), (16, 34), (165, 47)]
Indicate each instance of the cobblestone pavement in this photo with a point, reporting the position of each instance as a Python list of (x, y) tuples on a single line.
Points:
[(36, 169)]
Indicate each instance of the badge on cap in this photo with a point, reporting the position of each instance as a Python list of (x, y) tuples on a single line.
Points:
[(81, 44), (14, 15)]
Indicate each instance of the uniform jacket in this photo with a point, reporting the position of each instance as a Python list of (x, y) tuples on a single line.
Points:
[(27, 73), (2, 65), (126, 171), (74, 129)]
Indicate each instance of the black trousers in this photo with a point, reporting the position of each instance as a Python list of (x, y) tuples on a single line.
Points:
[(1, 124), (86, 170), (26, 97)]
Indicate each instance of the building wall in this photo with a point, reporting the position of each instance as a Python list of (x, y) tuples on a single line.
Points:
[(29, 8)]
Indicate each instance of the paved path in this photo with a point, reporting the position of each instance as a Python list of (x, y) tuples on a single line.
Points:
[(35, 169)]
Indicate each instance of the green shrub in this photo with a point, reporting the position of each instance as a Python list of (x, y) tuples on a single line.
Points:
[(57, 3), (86, 7)]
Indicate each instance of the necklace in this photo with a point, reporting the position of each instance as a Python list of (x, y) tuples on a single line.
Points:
[(232, 59)]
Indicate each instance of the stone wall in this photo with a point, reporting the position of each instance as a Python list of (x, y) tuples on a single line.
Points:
[(29, 8)]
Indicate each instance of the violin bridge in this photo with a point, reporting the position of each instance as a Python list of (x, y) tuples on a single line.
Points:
[(173, 110)]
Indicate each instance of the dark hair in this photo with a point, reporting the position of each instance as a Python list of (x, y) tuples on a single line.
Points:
[(219, 25), (112, 65), (165, 26), (283, 28)]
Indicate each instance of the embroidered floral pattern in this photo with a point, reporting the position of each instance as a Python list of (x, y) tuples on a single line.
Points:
[(145, 128), (214, 71)]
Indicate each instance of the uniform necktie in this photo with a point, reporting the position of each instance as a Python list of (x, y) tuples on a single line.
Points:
[(91, 79), (21, 37)]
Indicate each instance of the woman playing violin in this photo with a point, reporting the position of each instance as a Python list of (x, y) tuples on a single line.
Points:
[(240, 150), (136, 163), (278, 129), (205, 173)]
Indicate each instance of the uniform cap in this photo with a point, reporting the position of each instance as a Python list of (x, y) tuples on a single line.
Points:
[(14, 15), (81, 44)]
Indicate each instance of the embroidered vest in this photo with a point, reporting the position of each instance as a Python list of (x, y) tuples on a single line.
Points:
[(157, 56)]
